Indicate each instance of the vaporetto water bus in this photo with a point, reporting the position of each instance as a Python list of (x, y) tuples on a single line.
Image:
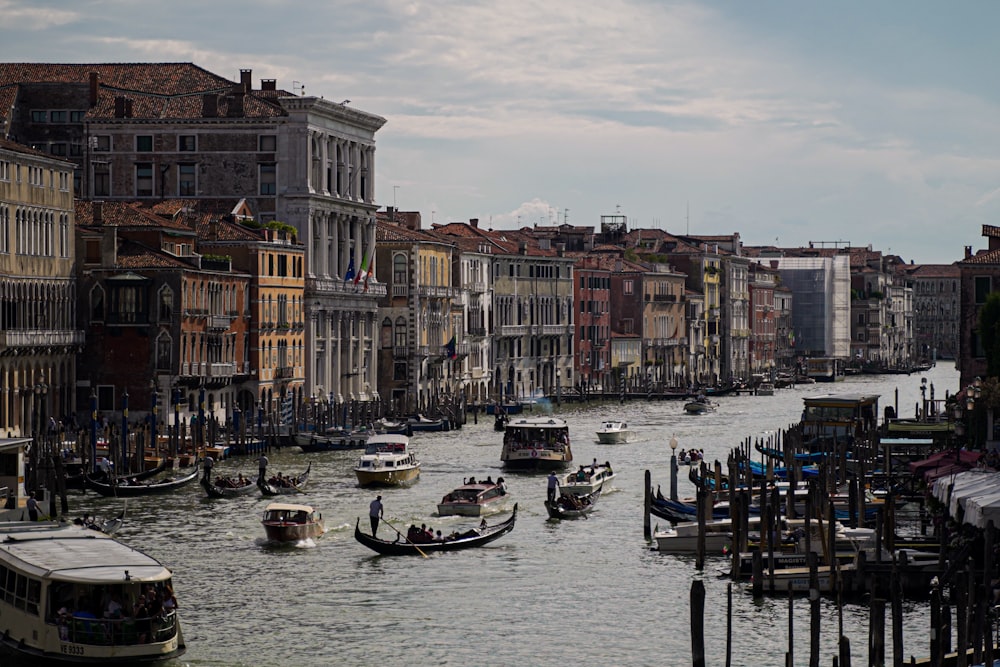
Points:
[(71, 595), (536, 443)]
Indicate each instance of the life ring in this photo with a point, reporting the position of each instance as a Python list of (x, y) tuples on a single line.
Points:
[(534, 453)]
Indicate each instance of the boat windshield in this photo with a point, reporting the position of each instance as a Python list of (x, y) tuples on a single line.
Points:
[(385, 448)]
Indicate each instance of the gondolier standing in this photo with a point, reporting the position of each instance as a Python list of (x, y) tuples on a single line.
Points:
[(375, 512), (553, 486), (262, 468), (207, 465)]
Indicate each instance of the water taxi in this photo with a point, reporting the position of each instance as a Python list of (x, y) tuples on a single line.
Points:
[(586, 480), (289, 522), (473, 498), (613, 432), (69, 594), (387, 461), (536, 443)]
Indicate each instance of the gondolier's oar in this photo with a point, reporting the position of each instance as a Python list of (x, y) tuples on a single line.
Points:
[(419, 550)]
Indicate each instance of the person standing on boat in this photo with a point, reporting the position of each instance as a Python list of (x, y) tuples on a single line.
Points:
[(375, 512), (262, 468), (32, 507), (208, 464), (553, 486)]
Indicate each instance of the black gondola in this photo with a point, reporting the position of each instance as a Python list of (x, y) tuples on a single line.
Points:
[(572, 506), (402, 547), (298, 483), (221, 491), (79, 480), (123, 490)]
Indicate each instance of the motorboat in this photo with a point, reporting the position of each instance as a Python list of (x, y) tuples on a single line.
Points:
[(55, 572), (387, 461), (683, 537), (404, 546), (532, 443), (473, 498), (765, 389), (586, 480), (332, 441), (613, 432), (699, 406), (289, 522)]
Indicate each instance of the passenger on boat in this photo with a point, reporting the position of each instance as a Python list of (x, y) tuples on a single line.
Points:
[(207, 464), (581, 475), (607, 468), (482, 525), (503, 486), (489, 479), (553, 485)]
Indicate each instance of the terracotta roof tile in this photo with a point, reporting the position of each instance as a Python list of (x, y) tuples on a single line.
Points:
[(137, 257), (124, 214)]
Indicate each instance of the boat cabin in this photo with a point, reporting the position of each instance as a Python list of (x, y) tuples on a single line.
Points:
[(536, 433), (833, 418), (12, 492), (287, 513)]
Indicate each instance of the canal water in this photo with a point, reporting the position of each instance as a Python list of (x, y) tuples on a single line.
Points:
[(549, 593)]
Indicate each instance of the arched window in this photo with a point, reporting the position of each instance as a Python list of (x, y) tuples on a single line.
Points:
[(166, 304), (163, 349), (399, 269), (386, 333), (97, 304), (400, 333)]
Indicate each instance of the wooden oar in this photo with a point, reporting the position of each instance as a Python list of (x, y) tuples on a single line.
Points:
[(419, 550)]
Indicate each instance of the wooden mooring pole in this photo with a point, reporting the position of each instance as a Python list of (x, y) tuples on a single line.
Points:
[(698, 623)]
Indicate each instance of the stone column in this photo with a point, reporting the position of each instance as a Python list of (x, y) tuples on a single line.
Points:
[(324, 163), (335, 353)]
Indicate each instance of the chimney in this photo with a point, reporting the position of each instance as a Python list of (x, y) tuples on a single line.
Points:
[(245, 80), (268, 84), (522, 248), (120, 107), (474, 222), (98, 210), (94, 87), (235, 100), (968, 251), (210, 105)]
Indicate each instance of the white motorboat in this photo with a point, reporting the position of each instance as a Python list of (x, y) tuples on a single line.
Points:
[(683, 538), (387, 461), (699, 406), (54, 575), (765, 389), (586, 480), (613, 432)]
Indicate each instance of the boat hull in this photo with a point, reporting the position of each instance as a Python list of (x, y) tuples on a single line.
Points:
[(613, 437), (671, 542), (404, 548), (383, 477), (289, 532)]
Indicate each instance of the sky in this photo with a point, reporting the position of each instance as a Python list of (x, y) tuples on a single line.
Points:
[(789, 122)]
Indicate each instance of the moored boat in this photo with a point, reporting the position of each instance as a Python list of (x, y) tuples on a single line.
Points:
[(474, 537), (280, 485), (387, 461), (683, 537), (613, 432), (473, 498), (124, 487), (536, 443), (54, 574), (289, 522), (568, 506), (336, 441)]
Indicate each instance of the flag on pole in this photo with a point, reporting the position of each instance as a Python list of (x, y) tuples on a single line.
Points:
[(451, 348), (350, 271), (364, 267), (371, 271)]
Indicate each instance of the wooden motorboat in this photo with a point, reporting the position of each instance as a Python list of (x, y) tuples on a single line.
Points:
[(475, 537), (700, 406), (279, 485), (289, 522), (124, 487), (229, 487), (613, 432), (765, 389), (473, 498), (586, 480), (534, 443), (387, 461), (419, 422), (568, 506)]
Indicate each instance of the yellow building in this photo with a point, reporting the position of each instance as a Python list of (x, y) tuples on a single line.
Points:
[(38, 338)]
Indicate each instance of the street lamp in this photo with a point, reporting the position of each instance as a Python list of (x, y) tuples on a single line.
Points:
[(673, 468), (923, 399)]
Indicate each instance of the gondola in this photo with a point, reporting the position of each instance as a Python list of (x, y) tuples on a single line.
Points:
[(216, 491), (121, 490), (572, 507), (298, 483), (402, 547), (80, 480)]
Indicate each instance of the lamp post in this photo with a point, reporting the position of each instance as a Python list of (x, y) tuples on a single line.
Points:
[(125, 461), (673, 468), (177, 420), (152, 417), (93, 430), (922, 414), (558, 386)]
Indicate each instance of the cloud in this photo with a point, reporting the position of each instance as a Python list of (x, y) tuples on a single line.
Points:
[(22, 16)]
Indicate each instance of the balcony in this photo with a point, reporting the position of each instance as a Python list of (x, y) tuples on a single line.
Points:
[(434, 291), (513, 330), (665, 298), (221, 370), (284, 372), (401, 290), (477, 331), (400, 352), (219, 322), (476, 287), (28, 338)]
